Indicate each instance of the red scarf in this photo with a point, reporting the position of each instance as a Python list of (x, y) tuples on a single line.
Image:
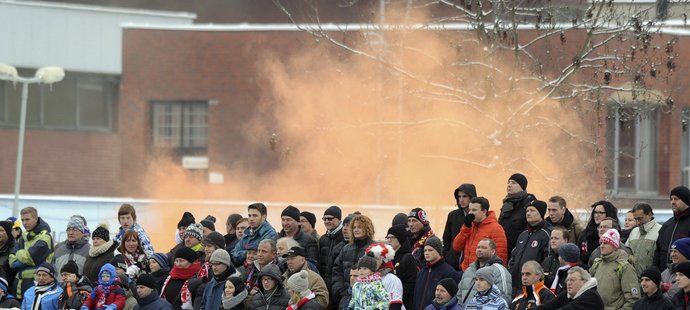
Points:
[(203, 273), (419, 244), (182, 274), (301, 302)]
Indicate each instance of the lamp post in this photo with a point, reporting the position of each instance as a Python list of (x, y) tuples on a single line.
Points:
[(45, 75)]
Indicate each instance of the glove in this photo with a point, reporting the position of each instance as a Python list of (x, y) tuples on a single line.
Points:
[(133, 271), (17, 265), (468, 220), (111, 307)]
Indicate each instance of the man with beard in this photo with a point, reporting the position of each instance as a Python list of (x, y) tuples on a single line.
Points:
[(486, 257), (456, 218), (513, 218), (259, 229)]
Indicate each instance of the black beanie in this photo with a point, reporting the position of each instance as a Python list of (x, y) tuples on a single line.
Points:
[(216, 239), (238, 283), (7, 226), (147, 280), (101, 232), (683, 268), (519, 179), (311, 218), (70, 267), (118, 262), (334, 211), (399, 219), (399, 231), (47, 268), (187, 219), (291, 212), (683, 193), (540, 206), (186, 253), (450, 286), (208, 224), (653, 274), (420, 215)]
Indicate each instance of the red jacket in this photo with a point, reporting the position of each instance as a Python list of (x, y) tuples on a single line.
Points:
[(468, 238), (116, 296)]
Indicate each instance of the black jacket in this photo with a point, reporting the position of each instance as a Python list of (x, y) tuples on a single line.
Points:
[(454, 222), (532, 244), (428, 278), (348, 256), (306, 241), (153, 302), (655, 302), (672, 230), (513, 217), (588, 300), (406, 270), (550, 265), (328, 252)]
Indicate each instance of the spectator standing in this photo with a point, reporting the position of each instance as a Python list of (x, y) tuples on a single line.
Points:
[(559, 215), (127, 216), (404, 264), (581, 294), (33, 249), (488, 296), (590, 238), (533, 292), (301, 297), (307, 221), (329, 246), (680, 251), (433, 271), (75, 288), (7, 300), (148, 295), (533, 243), (515, 204), (480, 223), (675, 228), (101, 253), (486, 257), (7, 242), (159, 267), (455, 220), (289, 220), (360, 234), (420, 231), (108, 294), (272, 294), (231, 231), (444, 297), (259, 229), (642, 240), (234, 294), (75, 248), (618, 284)]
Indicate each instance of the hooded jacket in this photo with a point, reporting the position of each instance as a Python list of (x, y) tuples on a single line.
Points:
[(532, 244), (99, 256), (672, 230), (113, 291), (532, 296), (468, 238), (328, 252), (213, 291), (428, 278), (587, 298), (642, 241), (276, 299), (306, 241), (406, 270), (502, 280), (513, 216), (491, 299), (655, 302), (74, 294), (251, 236), (572, 223), (454, 222), (349, 255), (77, 251), (33, 248), (618, 287)]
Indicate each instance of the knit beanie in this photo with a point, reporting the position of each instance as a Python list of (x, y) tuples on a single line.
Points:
[(7, 226), (147, 280), (70, 267), (186, 253), (540, 206), (239, 284), (4, 286), (683, 268), (299, 282), (468, 189), (101, 232), (435, 243), (292, 212), (399, 231), (187, 219), (450, 286), (162, 260), (520, 179), (569, 252), (653, 274), (683, 193), (612, 237), (208, 224), (195, 231), (420, 215), (368, 262), (486, 274), (118, 262), (349, 218), (334, 211), (311, 218), (682, 245), (400, 219), (221, 256), (75, 223), (47, 268), (215, 238), (381, 250)]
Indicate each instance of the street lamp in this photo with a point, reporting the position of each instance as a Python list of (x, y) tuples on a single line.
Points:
[(45, 75)]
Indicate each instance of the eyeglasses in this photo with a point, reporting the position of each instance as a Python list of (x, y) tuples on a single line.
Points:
[(389, 237), (329, 218)]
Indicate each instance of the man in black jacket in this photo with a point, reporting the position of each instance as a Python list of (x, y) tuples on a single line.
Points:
[(675, 228), (456, 218), (581, 293), (533, 243), (405, 265), (512, 216), (289, 219), (652, 298), (328, 245)]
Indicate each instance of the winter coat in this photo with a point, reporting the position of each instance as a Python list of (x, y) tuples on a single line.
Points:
[(5, 270), (49, 300), (74, 294), (532, 244), (417, 244), (672, 230), (572, 223), (502, 280), (587, 298), (668, 277), (278, 298), (489, 300), (588, 242), (9, 303), (99, 256), (454, 222), (562, 274), (550, 265), (66, 251), (369, 294), (618, 286), (310, 305), (251, 236), (213, 291), (115, 293), (643, 244), (143, 238), (655, 302), (33, 248), (678, 300), (230, 242), (468, 238), (153, 302), (450, 305), (532, 296), (406, 270), (316, 284), (427, 278), (348, 256), (327, 253), (513, 217), (306, 241)]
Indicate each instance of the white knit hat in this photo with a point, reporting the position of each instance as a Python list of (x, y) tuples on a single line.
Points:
[(299, 282)]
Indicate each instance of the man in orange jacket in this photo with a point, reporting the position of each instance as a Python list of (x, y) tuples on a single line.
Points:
[(480, 223)]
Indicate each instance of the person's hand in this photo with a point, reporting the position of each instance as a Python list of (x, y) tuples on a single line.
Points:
[(469, 218), (133, 271)]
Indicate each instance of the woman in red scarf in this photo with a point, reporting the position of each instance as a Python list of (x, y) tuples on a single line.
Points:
[(176, 287), (133, 254)]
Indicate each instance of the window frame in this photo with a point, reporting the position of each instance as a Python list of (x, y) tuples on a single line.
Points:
[(183, 104)]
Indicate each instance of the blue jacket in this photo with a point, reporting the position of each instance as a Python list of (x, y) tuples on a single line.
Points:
[(49, 300), (451, 305), (213, 295), (265, 231), (427, 278), (489, 300), (153, 302), (143, 238)]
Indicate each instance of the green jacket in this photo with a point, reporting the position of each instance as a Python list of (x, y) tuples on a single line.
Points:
[(618, 284), (642, 241), (34, 248)]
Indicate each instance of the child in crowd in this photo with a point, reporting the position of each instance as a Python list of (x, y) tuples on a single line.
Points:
[(368, 293), (108, 295)]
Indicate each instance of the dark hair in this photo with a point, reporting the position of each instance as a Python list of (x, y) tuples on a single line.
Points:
[(125, 209), (130, 234), (233, 218), (259, 207), (610, 209), (614, 221), (645, 207), (560, 200), (564, 230), (482, 201)]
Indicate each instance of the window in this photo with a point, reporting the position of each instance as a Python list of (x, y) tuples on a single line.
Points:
[(80, 102), (632, 138), (685, 147), (182, 125)]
